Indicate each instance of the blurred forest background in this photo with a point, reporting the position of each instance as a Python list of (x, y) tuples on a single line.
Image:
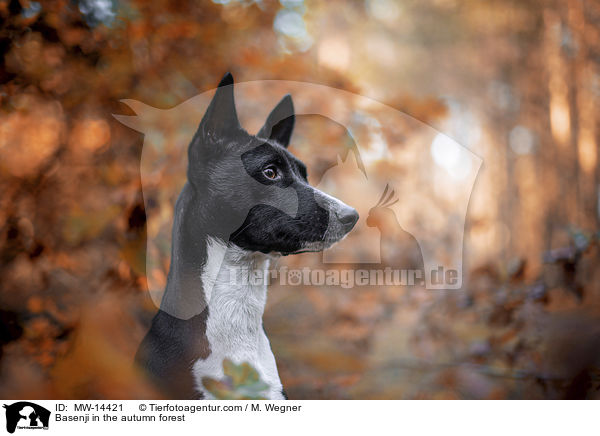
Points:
[(515, 81)]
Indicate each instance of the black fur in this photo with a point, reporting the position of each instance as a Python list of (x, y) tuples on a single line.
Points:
[(181, 343)]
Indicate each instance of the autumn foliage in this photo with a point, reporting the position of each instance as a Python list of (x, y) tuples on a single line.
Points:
[(514, 82)]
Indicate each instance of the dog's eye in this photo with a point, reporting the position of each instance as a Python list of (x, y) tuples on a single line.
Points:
[(271, 173)]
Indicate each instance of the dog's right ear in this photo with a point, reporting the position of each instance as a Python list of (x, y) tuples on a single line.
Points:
[(220, 119), (280, 122)]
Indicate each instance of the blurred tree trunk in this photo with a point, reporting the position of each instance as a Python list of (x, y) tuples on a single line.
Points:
[(584, 36), (560, 151)]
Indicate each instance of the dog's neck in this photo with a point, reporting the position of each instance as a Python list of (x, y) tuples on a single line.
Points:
[(206, 272), (236, 300)]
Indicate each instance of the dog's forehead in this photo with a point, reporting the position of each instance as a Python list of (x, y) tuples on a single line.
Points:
[(272, 149), (267, 146), (257, 150)]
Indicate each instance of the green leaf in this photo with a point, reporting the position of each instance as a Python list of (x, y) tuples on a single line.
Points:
[(241, 382)]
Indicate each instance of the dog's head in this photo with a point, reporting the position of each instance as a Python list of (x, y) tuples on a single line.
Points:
[(250, 190)]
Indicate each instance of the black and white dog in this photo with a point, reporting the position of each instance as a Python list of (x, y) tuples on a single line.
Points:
[(246, 202)]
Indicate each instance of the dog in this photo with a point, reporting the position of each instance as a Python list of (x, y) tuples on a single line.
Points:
[(246, 202)]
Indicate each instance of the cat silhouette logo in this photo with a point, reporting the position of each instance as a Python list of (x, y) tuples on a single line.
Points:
[(26, 415)]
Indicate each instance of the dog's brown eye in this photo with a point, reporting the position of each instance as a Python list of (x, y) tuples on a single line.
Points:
[(270, 173)]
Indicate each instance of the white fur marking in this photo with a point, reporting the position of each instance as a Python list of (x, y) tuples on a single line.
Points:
[(234, 325), (215, 253)]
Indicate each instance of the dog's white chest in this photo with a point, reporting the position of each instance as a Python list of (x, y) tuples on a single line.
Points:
[(234, 324), (259, 356)]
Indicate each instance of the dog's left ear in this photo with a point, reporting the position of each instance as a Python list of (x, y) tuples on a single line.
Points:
[(280, 122), (221, 119)]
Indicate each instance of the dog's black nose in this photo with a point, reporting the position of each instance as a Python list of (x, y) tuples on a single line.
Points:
[(348, 217)]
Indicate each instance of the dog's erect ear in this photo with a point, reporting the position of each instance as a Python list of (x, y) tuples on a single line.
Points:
[(221, 119), (280, 122)]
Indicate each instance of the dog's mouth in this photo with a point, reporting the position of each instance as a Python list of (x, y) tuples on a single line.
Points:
[(336, 231), (316, 246), (269, 232)]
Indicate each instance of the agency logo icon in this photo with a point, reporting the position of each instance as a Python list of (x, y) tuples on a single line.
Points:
[(409, 183), (24, 415)]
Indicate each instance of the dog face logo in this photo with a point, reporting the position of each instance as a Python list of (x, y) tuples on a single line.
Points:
[(26, 415)]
